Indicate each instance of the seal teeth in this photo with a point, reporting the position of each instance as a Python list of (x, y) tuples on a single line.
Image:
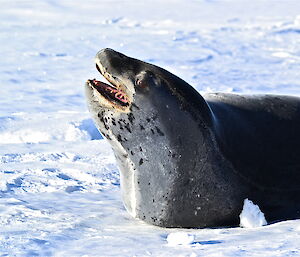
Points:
[(121, 96)]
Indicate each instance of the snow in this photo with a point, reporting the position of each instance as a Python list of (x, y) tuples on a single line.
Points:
[(59, 184), (251, 216), (180, 238)]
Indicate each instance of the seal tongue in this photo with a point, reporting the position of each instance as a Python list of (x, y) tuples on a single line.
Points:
[(110, 91)]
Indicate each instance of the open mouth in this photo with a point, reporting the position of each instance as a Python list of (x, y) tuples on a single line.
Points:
[(111, 92)]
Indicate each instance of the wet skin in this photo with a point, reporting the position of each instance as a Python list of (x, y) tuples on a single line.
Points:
[(190, 161)]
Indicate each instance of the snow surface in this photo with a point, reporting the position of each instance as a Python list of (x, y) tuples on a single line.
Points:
[(251, 216), (59, 184), (180, 238)]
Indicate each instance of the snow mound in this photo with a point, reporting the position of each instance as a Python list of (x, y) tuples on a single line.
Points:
[(24, 136), (74, 133), (251, 216), (30, 128), (81, 131), (88, 126), (67, 132), (180, 238)]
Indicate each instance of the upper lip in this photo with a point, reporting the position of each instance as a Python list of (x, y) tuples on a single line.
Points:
[(98, 68)]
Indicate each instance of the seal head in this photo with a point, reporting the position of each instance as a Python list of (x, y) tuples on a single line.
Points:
[(152, 121)]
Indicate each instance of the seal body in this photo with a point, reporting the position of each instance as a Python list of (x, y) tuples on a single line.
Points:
[(190, 161)]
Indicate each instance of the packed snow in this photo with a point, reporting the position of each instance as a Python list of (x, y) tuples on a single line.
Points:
[(180, 238), (251, 215), (59, 183)]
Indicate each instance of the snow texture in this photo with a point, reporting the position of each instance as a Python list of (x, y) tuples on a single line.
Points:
[(180, 238), (251, 216), (59, 184)]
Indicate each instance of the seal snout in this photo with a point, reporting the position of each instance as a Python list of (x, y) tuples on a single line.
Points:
[(107, 53), (104, 51), (110, 61), (113, 94)]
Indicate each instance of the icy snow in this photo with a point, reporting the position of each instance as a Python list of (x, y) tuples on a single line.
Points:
[(180, 238), (59, 184), (251, 216)]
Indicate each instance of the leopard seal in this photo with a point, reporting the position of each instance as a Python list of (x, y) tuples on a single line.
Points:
[(188, 160)]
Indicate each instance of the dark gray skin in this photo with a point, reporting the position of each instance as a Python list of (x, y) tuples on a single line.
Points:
[(189, 161)]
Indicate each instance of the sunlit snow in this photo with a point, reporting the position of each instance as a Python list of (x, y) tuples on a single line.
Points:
[(251, 215)]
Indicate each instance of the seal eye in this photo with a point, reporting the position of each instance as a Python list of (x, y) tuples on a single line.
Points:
[(140, 83)]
